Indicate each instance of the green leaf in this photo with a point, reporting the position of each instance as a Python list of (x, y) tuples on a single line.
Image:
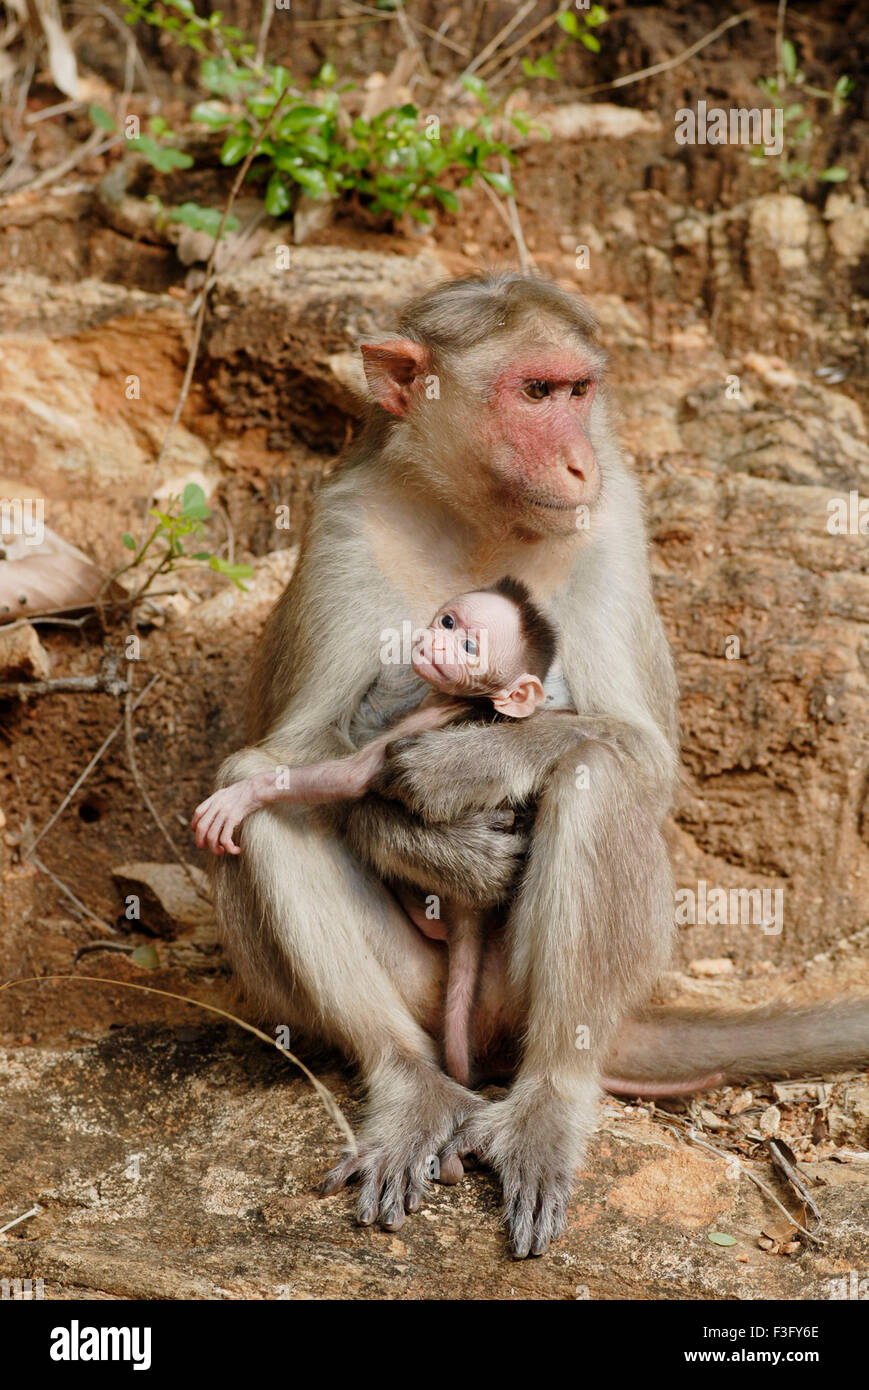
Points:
[(100, 117), (313, 146), (543, 67), (312, 180), (568, 21), (720, 1238), (224, 78), (302, 117), (475, 85), (501, 183), (128, 541), (591, 41), (209, 115), (202, 219), (327, 74), (596, 15), (234, 149), (193, 505), (446, 197), (145, 957), (789, 59), (835, 174), (234, 572), (277, 199), (163, 158)]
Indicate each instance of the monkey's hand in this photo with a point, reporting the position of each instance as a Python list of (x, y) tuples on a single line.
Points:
[(414, 1109), (215, 819), (442, 774), (534, 1140)]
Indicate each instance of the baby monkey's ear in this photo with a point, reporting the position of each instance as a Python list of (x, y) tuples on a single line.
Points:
[(520, 698)]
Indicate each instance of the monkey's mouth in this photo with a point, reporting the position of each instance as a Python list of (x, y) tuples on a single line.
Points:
[(553, 506)]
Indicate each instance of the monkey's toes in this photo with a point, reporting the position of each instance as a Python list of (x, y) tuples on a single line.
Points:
[(534, 1220)]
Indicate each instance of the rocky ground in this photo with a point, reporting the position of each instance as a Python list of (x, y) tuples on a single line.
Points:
[(172, 1156)]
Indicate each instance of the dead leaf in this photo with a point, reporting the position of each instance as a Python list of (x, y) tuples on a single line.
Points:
[(780, 1230), (785, 1163), (38, 578)]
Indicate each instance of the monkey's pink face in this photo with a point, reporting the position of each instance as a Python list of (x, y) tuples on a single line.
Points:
[(536, 436), (472, 646)]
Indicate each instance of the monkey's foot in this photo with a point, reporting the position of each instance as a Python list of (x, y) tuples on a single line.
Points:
[(411, 1120), (533, 1139)]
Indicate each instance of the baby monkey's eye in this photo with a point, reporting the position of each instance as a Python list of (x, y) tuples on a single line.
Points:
[(470, 646), (580, 388), (448, 621), (536, 390)]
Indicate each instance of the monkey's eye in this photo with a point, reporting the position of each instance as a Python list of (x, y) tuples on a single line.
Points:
[(536, 390), (580, 388), (448, 621), (470, 646)]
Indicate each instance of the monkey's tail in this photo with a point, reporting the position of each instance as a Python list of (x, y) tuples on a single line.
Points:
[(676, 1051)]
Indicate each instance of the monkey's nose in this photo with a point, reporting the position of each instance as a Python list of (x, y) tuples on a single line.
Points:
[(576, 471)]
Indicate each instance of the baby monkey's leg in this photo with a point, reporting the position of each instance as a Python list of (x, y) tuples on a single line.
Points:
[(464, 940)]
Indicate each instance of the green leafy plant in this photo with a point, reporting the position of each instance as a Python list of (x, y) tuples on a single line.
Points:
[(165, 548), (576, 28), (799, 130), (397, 162), (156, 147)]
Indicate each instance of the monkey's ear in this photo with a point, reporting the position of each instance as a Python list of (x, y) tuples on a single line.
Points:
[(519, 699), (391, 369)]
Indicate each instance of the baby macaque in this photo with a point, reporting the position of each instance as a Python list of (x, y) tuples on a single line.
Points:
[(490, 644)]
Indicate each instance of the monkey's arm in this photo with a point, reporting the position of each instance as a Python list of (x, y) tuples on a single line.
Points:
[(441, 775), (339, 779)]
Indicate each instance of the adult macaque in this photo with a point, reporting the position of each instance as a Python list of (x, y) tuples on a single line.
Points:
[(495, 646), (509, 466)]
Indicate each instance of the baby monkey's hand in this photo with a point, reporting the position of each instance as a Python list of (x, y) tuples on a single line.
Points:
[(215, 819)]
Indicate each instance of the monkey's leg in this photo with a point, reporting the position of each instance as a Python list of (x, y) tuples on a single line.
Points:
[(319, 943), (464, 938), (588, 935)]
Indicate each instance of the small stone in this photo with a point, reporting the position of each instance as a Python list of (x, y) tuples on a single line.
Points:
[(769, 1122), (711, 966), (22, 655)]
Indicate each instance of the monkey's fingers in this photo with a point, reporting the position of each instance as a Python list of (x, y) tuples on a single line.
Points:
[(338, 1177), (207, 815), (225, 839), (464, 1150)]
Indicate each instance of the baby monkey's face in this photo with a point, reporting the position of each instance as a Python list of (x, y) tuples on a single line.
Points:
[(474, 647)]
